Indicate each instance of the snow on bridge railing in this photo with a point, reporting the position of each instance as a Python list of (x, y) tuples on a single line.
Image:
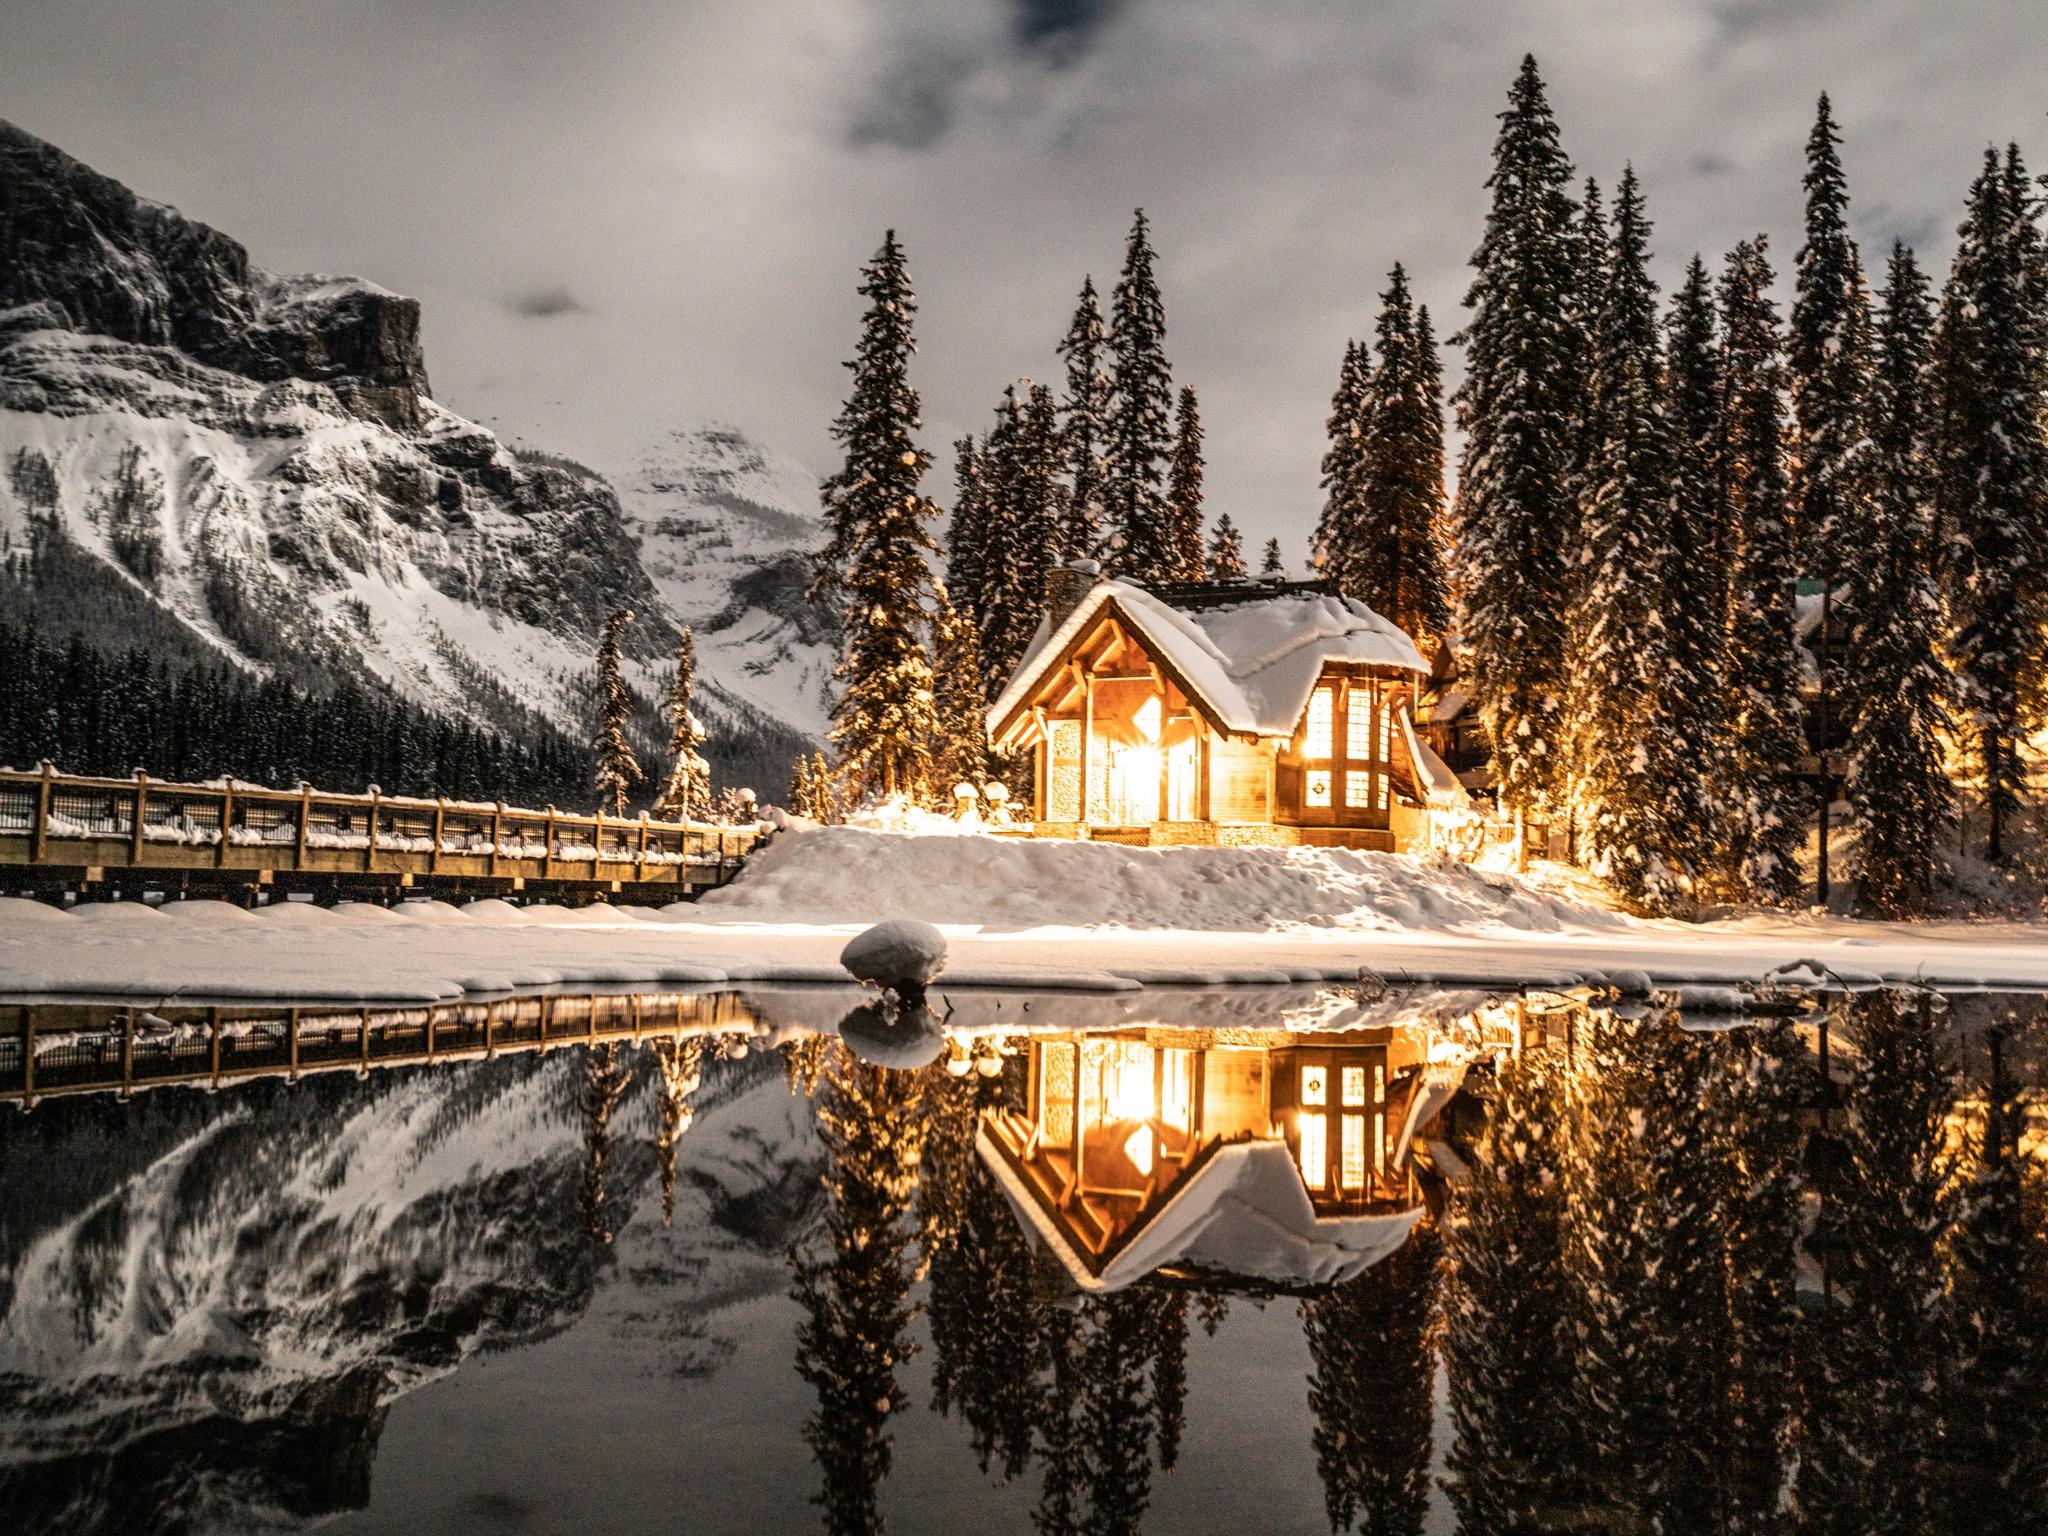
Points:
[(44, 806)]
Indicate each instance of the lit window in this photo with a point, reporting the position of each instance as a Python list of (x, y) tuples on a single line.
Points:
[(1354, 1086), (1358, 724), (1138, 1148), (1386, 735), (1317, 791), (1315, 1086), (1379, 1142), (1379, 1085), (1322, 719), (1351, 1171), (1357, 788), (1315, 1151)]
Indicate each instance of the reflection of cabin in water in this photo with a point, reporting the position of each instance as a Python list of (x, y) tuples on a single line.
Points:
[(1258, 1155), (1238, 713)]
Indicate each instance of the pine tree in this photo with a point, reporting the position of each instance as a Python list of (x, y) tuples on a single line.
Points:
[(1339, 532), (1271, 566), (1991, 474), (1184, 487), (617, 769), (1624, 675), (688, 790), (1139, 439), (1024, 510), (1226, 552), (1828, 353), (966, 570), (961, 752), (1593, 258), (1504, 1345), (1391, 560), (801, 794), (1899, 791), (1766, 736), (1515, 519), (1084, 416), (825, 805), (1696, 601), (875, 562)]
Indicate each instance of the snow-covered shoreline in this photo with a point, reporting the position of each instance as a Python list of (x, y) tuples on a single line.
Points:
[(1017, 914)]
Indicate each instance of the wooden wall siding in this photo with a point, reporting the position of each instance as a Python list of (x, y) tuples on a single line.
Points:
[(1240, 775)]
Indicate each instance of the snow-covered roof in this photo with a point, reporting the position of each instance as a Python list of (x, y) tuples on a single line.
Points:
[(1252, 664), (1244, 1212)]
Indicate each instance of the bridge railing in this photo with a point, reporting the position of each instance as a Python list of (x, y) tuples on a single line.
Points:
[(229, 822)]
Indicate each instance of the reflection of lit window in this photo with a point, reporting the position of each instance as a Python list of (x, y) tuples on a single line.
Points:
[(1354, 1086), (1322, 719), (1357, 788), (1138, 1148), (1351, 1171), (1318, 792), (1176, 1100), (1315, 1151), (1315, 1085)]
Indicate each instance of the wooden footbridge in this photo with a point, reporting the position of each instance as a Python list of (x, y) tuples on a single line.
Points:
[(63, 835), (58, 1049)]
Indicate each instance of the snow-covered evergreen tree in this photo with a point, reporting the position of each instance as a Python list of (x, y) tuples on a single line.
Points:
[(875, 565), (1184, 486), (1139, 440), (1226, 552), (1515, 518), (966, 570), (1593, 257), (1271, 566), (961, 752), (1828, 354), (1390, 559), (687, 791), (1625, 738), (1991, 474), (1024, 505), (801, 794), (1339, 529), (1766, 735), (1900, 795), (824, 804), (1084, 426), (617, 769), (1504, 1341)]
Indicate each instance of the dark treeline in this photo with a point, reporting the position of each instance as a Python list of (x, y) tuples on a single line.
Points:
[(95, 711)]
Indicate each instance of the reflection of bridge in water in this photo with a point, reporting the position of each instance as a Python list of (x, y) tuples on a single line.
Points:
[(52, 1049)]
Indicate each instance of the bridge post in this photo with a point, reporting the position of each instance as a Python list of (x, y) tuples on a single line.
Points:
[(370, 850), (39, 834), (547, 859), (227, 818), (497, 832), (440, 814), (640, 853), (305, 824), (597, 846), (135, 829)]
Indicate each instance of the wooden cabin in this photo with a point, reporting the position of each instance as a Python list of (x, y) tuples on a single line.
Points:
[(1260, 1155), (1237, 713)]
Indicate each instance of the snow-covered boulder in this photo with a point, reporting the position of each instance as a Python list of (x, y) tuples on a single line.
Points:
[(902, 1038), (901, 955)]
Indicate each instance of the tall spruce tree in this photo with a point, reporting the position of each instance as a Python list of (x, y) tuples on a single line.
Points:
[(875, 564), (966, 569), (1139, 440), (1593, 259), (1625, 675), (1696, 600), (1024, 506), (1991, 476), (1515, 519), (1340, 529), (1226, 552), (1766, 734), (1393, 561), (1900, 794), (1184, 486), (617, 769), (961, 755), (687, 791), (1084, 426)]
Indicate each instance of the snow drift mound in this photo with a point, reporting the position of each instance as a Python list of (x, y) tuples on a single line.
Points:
[(848, 874)]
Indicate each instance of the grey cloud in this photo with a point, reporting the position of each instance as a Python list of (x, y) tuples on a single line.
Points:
[(545, 303), (912, 107)]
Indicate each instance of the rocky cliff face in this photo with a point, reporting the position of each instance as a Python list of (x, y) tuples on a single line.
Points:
[(262, 456)]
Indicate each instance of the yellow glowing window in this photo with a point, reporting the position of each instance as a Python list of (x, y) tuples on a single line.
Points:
[(1357, 788), (1379, 1142), (1354, 1086), (1379, 1085), (1315, 1086), (1317, 791), (1315, 1151), (1351, 1169), (1386, 735), (1358, 723), (1322, 718)]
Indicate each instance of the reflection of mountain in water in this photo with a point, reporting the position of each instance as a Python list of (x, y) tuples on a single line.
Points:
[(211, 1300)]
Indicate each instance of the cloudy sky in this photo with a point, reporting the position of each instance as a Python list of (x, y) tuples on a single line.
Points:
[(624, 214)]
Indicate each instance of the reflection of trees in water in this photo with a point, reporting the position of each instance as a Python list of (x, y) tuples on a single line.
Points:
[(854, 1288), (682, 1072), (1625, 1341), (1371, 1390), (605, 1080)]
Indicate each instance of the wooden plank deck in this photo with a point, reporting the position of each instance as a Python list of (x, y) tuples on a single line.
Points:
[(66, 834)]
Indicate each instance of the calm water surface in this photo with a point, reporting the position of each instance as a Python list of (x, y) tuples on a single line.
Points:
[(1281, 1260)]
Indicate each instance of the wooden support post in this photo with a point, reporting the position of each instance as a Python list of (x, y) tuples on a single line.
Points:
[(490, 1030), (440, 816), (497, 833), (640, 854), (363, 1039), (127, 1053), (214, 1020), (227, 820), (547, 863), (370, 849), (305, 824), (28, 1054), (292, 1034), (430, 1032), (590, 1025), (1087, 734), (39, 834), (141, 814)]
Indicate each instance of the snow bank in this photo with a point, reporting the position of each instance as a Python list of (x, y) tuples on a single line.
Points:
[(899, 954)]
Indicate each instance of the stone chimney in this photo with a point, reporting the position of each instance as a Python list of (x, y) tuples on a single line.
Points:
[(1066, 585)]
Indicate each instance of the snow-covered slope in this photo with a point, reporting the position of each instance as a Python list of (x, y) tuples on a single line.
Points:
[(261, 456)]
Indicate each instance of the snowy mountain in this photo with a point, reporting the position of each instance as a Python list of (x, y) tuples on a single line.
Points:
[(206, 1332), (261, 456)]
